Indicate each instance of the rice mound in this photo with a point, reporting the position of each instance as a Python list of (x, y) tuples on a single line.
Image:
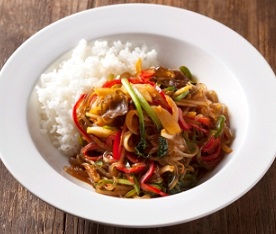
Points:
[(88, 66)]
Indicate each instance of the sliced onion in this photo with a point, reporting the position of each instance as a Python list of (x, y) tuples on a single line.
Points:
[(168, 122), (127, 142)]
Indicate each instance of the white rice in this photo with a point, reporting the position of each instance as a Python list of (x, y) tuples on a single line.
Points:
[(88, 66)]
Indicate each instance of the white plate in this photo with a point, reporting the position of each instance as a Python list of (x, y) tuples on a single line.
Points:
[(218, 56)]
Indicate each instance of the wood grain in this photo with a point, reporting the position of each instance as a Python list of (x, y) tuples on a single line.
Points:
[(22, 212)]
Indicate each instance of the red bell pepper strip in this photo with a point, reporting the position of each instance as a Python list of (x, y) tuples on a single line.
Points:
[(152, 189), (205, 131), (135, 168), (132, 157), (186, 126), (182, 123), (75, 118), (213, 156), (146, 177), (146, 74), (211, 150), (88, 148), (163, 100), (117, 145), (205, 121), (110, 83), (211, 145), (136, 80), (149, 172)]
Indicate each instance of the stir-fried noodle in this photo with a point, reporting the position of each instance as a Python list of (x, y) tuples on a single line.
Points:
[(149, 134)]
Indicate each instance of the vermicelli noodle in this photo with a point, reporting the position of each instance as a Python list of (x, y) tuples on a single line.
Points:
[(152, 133)]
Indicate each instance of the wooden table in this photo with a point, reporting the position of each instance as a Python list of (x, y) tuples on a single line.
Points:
[(255, 212)]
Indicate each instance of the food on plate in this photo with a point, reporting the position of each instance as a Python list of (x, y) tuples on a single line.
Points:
[(131, 127), (152, 133)]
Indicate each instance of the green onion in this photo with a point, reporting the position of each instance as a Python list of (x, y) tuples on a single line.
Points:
[(124, 181), (170, 88), (136, 185), (147, 108), (181, 96), (142, 144), (186, 72), (119, 181), (220, 125), (109, 127), (131, 193)]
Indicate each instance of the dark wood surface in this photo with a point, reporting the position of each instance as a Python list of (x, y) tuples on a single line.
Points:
[(22, 212)]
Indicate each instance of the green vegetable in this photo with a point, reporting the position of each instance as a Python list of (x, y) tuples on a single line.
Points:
[(181, 96), (136, 185), (147, 108), (140, 148), (186, 72), (170, 88), (220, 125), (163, 146), (119, 181), (131, 193), (184, 183)]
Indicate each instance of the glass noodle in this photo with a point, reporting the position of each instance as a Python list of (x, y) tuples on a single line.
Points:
[(149, 134)]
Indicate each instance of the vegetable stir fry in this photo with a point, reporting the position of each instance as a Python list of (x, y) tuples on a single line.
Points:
[(149, 134)]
